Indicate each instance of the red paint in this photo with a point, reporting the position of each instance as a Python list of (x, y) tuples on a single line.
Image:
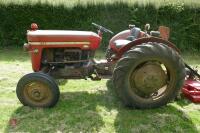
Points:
[(93, 39), (191, 90), (34, 26), (121, 35), (139, 41), (36, 57)]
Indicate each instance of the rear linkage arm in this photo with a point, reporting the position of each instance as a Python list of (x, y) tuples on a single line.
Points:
[(192, 71)]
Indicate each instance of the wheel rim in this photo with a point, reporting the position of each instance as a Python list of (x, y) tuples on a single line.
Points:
[(37, 93), (149, 80)]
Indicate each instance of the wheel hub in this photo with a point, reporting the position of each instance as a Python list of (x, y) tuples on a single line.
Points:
[(149, 78), (36, 92)]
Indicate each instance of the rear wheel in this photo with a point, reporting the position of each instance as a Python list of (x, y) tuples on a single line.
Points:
[(37, 90), (149, 75)]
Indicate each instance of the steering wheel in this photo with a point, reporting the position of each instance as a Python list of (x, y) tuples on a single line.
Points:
[(101, 28)]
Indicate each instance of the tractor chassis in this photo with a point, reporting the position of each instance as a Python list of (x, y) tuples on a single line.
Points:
[(93, 69)]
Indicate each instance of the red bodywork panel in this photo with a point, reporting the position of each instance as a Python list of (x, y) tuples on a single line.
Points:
[(191, 90), (41, 39), (139, 41), (121, 35)]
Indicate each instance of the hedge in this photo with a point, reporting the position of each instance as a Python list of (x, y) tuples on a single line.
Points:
[(184, 21)]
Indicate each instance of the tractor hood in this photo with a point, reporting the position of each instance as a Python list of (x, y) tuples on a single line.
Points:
[(60, 35), (47, 37)]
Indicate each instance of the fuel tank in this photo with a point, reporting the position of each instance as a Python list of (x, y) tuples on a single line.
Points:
[(64, 38)]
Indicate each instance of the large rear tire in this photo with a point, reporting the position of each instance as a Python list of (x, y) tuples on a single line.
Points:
[(37, 90), (149, 75)]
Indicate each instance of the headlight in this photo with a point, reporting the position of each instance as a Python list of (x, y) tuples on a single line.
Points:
[(26, 47)]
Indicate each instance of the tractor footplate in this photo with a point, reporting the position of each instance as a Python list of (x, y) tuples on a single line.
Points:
[(191, 90)]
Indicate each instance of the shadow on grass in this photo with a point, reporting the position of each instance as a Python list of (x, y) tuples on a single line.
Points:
[(163, 119), (92, 112)]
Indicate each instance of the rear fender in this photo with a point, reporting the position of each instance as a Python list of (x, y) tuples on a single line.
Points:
[(140, 41)]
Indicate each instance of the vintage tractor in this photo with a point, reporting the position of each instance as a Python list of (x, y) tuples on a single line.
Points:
[(146, 69)]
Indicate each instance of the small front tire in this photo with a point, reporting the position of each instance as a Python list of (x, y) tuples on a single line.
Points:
[(37, 90)]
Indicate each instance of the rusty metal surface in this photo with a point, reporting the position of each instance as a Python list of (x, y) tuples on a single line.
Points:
[(164, 32), (149, 78), (66, 62), (37, 93)]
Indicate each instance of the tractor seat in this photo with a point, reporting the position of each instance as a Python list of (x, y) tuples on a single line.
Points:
[(120, 43)]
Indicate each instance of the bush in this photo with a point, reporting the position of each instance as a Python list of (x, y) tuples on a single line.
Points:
[(184, 21)]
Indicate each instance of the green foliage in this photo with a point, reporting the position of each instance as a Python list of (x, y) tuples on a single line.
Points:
[(16, 18), (183, 21)]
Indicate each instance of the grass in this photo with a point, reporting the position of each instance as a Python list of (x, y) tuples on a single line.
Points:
[(86, 106)]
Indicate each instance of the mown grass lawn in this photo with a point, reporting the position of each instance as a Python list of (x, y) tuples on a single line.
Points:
[(86, 106)]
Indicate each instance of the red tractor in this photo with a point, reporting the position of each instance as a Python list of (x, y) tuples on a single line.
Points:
[(146, 69)]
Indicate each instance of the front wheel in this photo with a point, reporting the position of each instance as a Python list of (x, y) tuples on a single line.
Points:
[(149, 75), (37, 90)]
